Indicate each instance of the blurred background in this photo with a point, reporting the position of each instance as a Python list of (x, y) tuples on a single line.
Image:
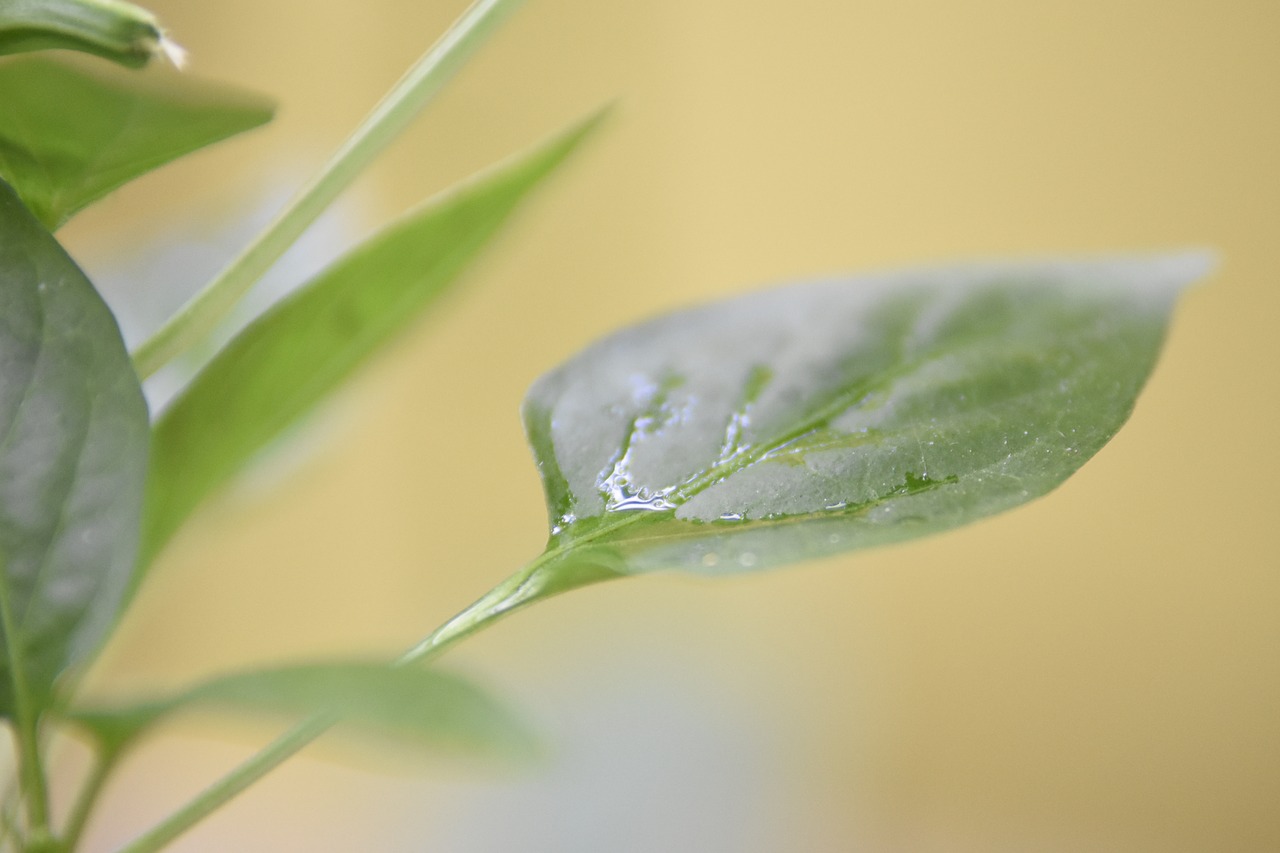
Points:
[(1096, 671)]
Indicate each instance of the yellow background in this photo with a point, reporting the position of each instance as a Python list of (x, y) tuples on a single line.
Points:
[(1096, 671)]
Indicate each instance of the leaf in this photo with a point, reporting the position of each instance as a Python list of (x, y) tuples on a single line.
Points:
[(72, 131), (73, 456), (421, 706), (827, 417), (111, 29), (286, 361)]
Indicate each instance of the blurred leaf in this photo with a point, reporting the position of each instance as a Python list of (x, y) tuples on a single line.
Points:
[(286, 361), (72, 459), (111, 29), (72, 131), (422, 706), (827, 417)]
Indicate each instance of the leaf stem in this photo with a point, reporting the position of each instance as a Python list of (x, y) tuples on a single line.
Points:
[(226, 788), (512, 594), (103, 764), (548, 574), (26, 723), (406, 99), (519, 590), (8, 818)]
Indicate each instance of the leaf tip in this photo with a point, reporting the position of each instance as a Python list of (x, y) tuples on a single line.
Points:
[(172, 51), (1157, 279), (1189, 266), (588, 126)]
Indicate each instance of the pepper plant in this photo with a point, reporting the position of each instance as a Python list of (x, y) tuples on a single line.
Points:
[(750, 433)]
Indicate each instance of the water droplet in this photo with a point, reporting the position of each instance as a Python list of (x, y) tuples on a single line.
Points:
[(746, 559), (710, 559), (616, 488), (563, 523)]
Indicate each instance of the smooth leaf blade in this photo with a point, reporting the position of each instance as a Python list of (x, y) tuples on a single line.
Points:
[(73, 455), (833, 416), (72, 131), (286, 361), (420, 706)]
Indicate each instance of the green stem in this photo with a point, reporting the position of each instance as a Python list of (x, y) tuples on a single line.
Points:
[(551, 573), (219, 793), (26, 725), (519, 590), (88, 798), (516, 592), (420, 84), (9, 828)]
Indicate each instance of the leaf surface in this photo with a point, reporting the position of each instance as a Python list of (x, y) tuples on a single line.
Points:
[(72, 130), (291, 357), (73, 456), (421, 706), (826, 417)]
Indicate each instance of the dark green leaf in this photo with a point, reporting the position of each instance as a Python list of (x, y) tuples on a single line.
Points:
[(111, 29), (73, 455), (422, 706), (823, 418), (279, 367), (72, 131)]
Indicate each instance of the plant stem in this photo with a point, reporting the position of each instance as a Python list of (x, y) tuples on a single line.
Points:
[(419, 85), (88, 798), (8, 819), (26, 725), (515, 592), (549, 574), (219, 793), (519, 590)]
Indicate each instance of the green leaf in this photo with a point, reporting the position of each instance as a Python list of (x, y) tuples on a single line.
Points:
[(421, 706), (827, 417), (111, 29), (71, 131), (73, 456), (286, 361)]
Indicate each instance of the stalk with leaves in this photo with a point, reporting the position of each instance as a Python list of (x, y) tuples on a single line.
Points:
[(750, 433)]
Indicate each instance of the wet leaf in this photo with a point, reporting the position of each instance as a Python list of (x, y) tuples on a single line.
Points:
[(290, 358), (72, 130), (72, 458), (827, 417), (424, 707)]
